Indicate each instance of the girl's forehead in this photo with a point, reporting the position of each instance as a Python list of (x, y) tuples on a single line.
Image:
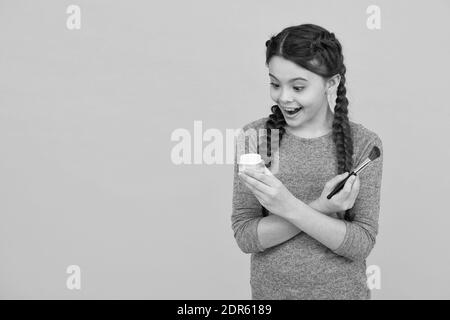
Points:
[(286, 71)]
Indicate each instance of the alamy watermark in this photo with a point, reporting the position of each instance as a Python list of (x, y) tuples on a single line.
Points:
[(73, 21), (373, 274), (73, 282), (374, 19), (222, 148)]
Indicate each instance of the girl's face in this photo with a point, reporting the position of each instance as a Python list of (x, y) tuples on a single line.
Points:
[(292, 86)]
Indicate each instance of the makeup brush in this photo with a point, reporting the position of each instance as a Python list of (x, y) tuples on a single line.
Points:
[(375, 153)]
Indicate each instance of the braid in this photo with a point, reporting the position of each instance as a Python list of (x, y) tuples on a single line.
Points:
[(276, 121), (342, 135), (316, 49)]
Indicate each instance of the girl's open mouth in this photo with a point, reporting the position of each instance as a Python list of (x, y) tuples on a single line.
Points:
[(293, 112)]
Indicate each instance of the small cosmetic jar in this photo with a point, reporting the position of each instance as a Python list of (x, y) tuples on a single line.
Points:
[(252, 161)]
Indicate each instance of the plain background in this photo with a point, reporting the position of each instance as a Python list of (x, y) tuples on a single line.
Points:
[(86, 117)]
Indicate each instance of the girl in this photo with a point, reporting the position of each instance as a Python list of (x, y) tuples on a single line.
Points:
[(303, 245)]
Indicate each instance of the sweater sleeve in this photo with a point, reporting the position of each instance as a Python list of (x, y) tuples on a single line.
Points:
[(246, 213), (361, 232)]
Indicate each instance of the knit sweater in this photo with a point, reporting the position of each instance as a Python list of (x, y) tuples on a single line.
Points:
[(302, 267)]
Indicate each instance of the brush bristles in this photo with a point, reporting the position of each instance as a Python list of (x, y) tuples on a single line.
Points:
[(375, 153)]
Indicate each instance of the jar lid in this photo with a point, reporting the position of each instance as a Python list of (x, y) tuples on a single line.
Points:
[(250, 158)]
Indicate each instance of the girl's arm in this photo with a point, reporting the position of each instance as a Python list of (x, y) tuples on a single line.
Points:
[(273, 229), (353, 240), (328, 231), (253, 232)]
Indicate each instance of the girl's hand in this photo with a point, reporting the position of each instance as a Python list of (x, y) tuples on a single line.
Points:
[(269, 191), (344, 199)]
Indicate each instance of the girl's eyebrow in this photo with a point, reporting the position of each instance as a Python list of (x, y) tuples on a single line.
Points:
[(298, 78)]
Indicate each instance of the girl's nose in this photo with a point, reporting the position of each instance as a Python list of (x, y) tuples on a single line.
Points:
[(285, 97)]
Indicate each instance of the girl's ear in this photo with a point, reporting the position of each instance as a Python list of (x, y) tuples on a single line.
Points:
[(332, 85), (333, 82)]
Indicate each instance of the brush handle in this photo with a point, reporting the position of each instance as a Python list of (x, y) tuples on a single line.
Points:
[(340, 185)]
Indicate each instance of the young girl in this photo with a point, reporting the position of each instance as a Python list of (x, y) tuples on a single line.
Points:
[(303, 245)]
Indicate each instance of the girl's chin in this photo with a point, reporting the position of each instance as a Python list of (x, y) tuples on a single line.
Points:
[(294, 122)]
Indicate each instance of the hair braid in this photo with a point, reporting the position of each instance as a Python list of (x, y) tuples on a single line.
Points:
[(276, 121), (342, 135)]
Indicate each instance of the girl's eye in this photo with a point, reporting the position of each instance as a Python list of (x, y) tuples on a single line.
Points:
[(274, 85), (295, 88)]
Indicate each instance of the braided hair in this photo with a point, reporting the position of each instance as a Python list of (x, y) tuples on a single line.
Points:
[(317, 50)]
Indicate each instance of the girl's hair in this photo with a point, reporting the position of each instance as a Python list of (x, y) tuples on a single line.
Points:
[(317, 50)]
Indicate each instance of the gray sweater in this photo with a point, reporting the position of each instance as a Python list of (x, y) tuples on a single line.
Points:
[(302, 267)]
